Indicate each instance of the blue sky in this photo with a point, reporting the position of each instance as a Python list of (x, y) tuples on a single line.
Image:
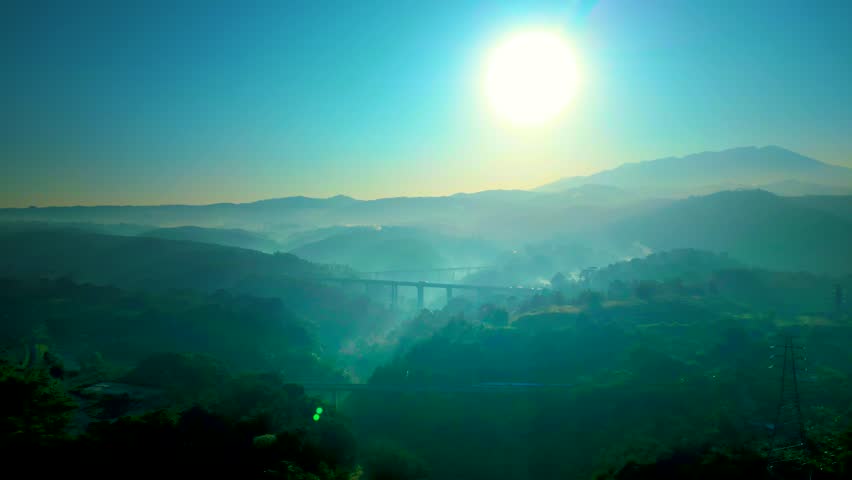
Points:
[(149, 103)]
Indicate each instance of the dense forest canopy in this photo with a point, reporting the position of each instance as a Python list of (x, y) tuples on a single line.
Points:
[(659, 356)]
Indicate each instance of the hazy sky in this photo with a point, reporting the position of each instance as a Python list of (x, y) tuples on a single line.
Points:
[(108, 103)]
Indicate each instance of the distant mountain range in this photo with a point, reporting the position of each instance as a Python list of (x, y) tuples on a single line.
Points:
[(706, 201), (503, 215), (810, 233), (769, 168)]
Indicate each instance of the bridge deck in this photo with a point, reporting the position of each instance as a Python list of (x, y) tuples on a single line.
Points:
[(432, 270), (415, 388), (424, 284)]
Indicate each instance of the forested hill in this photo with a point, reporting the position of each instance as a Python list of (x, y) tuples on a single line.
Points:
[(140, 262), (754, 226), (125, 327), (159, 265), (232, 237)]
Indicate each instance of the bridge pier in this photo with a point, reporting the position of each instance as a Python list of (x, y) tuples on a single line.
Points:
[(420, 296), (394, 295), (449, 294)]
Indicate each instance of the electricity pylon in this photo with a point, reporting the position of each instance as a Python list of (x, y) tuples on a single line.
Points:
[(787, 443)]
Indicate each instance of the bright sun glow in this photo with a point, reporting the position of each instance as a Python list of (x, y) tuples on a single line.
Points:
[(531, 77)]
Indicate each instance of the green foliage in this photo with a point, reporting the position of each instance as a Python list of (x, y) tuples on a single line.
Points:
[(243, 331), (201, 444), (647, 289), (648, 379), (543, 300), (695, 273), (385, 460), (688, 265), (265, 397), (35, 409), (495, 316), (140, 262), (162, 266), (753, 225), (233, 237), (184, 376), (684, 366), (217, 441), (558, 281), (589, 299), (710, 464)]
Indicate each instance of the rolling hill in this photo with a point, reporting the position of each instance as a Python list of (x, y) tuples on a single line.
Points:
[(754, 226), (139, 262), (397, 248), (233, 237), (160, 265)]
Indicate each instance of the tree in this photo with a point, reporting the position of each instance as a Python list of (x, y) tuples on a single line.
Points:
[(618, 290), (589, 299), (558, 281), (35, 408), (647, 289), (495, 316)]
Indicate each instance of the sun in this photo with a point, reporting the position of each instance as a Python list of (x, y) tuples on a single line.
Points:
[(531, 77)]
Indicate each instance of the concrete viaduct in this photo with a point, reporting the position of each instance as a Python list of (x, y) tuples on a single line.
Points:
[(430, 273), (421, 286)]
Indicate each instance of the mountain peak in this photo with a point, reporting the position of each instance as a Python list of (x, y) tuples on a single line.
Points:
[(741, 167)]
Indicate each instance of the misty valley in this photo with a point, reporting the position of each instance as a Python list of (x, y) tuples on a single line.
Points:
[(591, 331), (434, 240)]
